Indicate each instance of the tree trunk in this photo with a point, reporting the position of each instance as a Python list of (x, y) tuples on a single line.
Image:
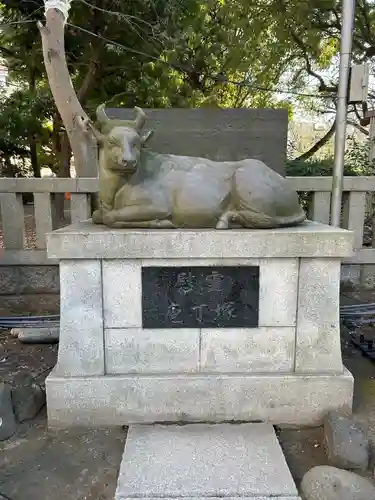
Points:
[(82, 144), (63, 171), (32, 137), (34, 156)]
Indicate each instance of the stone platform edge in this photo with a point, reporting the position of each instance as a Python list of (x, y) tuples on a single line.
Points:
[(86, 240), (300, 400), (210, 498)]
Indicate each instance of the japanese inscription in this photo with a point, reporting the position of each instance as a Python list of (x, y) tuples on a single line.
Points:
[(200, 297)]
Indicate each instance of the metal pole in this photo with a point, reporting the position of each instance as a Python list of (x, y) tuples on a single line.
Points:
[(348, 10)]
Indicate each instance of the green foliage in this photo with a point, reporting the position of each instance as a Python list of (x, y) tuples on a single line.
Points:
[(357, 158), (316, 168), (356, 163), (224, 43), (154, 53), (20, 123)]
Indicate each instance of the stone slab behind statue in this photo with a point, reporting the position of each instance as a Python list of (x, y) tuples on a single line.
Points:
[(287, 369), (218, 134)]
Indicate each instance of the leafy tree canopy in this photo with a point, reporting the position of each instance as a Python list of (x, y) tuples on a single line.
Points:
[(160, 53)]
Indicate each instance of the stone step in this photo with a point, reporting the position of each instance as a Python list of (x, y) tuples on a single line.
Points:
[(204, 461)]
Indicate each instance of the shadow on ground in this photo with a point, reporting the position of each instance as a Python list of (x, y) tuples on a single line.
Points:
[(41, 464)]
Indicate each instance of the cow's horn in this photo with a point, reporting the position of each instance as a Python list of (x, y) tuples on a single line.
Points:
[(101, 115), (140, 118)]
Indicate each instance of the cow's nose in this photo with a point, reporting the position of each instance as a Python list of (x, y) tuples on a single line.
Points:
[(129, 163)]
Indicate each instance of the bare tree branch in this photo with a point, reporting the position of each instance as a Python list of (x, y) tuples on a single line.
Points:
[(323, 87), (319, 144), (358, 127)]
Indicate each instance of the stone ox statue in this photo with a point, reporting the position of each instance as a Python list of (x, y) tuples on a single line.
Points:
[(142, 189)]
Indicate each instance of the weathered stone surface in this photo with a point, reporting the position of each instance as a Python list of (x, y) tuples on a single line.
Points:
[(8, 424), (81, 348), (329, 483), (230, 350), (28, 398), (123, 399), (42, 335), (9, 277), (318, 346), (27, 280), (217, 498), (278, 292), (33, 304), (346, 444), (86, 240), (122, 294), (137, 350), (39, 279), (201, 460)]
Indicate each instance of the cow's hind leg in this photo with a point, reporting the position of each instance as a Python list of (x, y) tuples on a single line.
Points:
[(254, 220), (245, 218), (243, 210)]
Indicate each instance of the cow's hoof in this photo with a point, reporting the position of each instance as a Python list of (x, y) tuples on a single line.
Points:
[(226, 219), (164, 224), (107, 219), (97, 217), (223, 223)]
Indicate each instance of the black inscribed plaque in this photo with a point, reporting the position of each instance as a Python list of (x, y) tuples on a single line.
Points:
[(191, 297)]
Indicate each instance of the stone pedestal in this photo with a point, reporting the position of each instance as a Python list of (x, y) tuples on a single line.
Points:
[(111, 371)]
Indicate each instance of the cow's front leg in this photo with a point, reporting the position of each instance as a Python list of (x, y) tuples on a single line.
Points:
[(147, 224), (98, 215), (137, 216)]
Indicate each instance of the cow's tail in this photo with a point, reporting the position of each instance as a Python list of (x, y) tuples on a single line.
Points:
[(256, 220)]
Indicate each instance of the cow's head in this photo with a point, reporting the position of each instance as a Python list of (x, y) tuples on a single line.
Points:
[(121, 140)]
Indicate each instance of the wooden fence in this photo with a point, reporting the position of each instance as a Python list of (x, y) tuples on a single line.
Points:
[(15, 251)]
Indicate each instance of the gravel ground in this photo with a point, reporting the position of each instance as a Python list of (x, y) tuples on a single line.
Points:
[(17, 359), (30, 237), (29, 221)]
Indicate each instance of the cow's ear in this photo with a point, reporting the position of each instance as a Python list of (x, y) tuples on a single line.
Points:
[(146, 137)]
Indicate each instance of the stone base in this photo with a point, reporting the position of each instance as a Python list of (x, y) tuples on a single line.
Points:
[(282, 366), (125, 399), (204, 461)]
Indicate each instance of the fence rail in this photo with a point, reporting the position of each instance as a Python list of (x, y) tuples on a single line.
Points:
[(15, 223)]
